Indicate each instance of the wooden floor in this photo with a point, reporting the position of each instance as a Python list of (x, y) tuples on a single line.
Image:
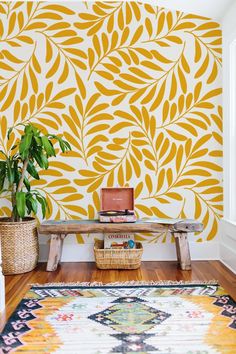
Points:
[(17, 285)]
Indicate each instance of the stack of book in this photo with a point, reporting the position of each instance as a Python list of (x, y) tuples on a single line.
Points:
[(119, 241)]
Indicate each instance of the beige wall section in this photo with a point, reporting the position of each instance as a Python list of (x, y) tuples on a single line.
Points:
[(136, 89)]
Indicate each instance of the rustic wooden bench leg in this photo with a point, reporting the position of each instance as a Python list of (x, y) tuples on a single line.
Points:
[(55, 251), (182, 250)]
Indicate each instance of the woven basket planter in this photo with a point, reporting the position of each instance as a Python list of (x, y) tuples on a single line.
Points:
[(20, 249), (117, 258)]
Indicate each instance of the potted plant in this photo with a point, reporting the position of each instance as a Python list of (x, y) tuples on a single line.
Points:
[(19, 232)]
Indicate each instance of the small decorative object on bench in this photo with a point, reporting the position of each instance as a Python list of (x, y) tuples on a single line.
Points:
[(117, 258), (117, 205), (119, 240)]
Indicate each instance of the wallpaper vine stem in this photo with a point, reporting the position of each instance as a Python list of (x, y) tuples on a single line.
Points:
[(135, 89)]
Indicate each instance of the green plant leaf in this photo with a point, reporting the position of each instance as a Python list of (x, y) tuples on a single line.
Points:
[(32, 170), (25, 144), (43, 202), (33, 203), (9, 132), (2, 174), (48, 146), (20, 203), (27, 183), (10, 171)]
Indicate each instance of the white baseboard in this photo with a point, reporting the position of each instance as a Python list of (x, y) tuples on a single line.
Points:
[(228, 245), (152, 252)]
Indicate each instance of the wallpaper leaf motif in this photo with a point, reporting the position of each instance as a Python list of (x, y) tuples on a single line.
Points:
[(134, 88)]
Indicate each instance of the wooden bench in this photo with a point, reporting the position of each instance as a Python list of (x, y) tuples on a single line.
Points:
[(59, 229)]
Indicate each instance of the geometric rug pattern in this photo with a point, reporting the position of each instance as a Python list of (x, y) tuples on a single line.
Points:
[(129, 319)]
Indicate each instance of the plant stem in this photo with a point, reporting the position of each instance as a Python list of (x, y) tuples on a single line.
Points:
[(13, 201), (21, 181)]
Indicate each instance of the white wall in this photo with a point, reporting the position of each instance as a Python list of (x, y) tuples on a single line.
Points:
[(228, 224)]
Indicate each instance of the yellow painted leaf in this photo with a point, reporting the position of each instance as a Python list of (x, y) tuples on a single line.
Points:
[(157, 212), (121, 19), (169, 175), (173, 89), (136, 165), (10, 97), (149, 165), (4, 127), (198, 51), (150, 95), (173, 195), (58, 182), (59, 8), (16, 111), (211, 94), (117, 127), (96, 200), (54, 67), (201, 142), (76, 209), (179, 158), (185, 182), (65, 190), (188, 127), (218, 138), (64, 93), (138, 190), (160, 22), (97, 128), (61, 165), (159, 97), (203, 67), (95, 185), (213, 231), (176, 136), (161, 179), (185, 64), (209, 165), (3, 92), (49, 51), (208, 182), (128, 170), (50, 172), (171, 155), (197, 172), (11, 23), (149, 27), (25, 86), (144, 209), (137, 35), (64, 74), (213, 74), (110, 180), (182, 79), (120, 176), (198, 208)]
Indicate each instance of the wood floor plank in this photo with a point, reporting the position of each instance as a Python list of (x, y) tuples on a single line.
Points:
[(17, 285)]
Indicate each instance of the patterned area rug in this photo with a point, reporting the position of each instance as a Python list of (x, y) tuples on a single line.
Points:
[(131, 319)]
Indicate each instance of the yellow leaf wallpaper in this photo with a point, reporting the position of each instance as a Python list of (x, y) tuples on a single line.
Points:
[(135, 89)]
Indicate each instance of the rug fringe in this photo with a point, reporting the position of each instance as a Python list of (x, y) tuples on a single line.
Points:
[(130, 283)]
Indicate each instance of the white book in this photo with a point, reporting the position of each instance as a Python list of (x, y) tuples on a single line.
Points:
[(121, 240)]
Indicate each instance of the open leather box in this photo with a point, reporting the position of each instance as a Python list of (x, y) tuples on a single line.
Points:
[(117, 205)]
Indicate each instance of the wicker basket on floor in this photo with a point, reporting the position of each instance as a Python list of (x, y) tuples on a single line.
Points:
[(20, 249), (117, 258)]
